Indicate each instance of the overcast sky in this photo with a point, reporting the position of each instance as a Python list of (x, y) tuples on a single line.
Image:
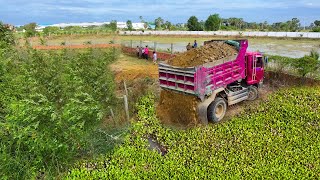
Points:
[(19, 12)]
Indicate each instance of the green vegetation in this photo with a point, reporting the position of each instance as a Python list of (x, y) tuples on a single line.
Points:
[(129, 25), (6, 36), (193, 24), (269, 141), (50, 104), (301, 66), (30, 29), (213, 23)]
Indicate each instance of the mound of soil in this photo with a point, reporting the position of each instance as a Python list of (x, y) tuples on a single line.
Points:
[(205, 54), (176, 108)]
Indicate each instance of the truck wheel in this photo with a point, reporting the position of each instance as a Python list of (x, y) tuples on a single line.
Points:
[(217, 109), (253, 93)]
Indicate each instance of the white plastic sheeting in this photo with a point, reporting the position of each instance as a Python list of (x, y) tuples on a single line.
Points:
[(227, 33)]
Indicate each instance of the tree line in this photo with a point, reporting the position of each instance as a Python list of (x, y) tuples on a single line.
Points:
[(213, 23)]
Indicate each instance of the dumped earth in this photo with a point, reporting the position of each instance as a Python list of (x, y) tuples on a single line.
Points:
[(177, 108), (211, 52)]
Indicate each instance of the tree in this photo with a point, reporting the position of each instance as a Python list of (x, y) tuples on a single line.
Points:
[(167, 25), (113, 25), (213, 23), (141, 19), (129, 25), (30, 29), (294, 24), (159, 22), (306, 64), (50, 29), (193, 24), (6, 35), (317, 22)]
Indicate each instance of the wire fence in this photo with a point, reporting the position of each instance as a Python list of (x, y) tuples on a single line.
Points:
[(311, 35)]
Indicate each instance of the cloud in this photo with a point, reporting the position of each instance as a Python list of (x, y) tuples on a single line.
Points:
[(87, 10)]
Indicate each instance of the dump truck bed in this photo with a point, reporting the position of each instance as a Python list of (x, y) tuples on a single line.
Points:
[(204, 79)]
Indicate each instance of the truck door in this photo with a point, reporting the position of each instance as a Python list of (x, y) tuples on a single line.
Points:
[(255, 69), (259, 68)]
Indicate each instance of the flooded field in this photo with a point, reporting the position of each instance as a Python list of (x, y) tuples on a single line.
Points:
[(273, 46), (289, 48)]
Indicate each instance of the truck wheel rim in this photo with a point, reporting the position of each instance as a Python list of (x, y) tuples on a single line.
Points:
[(219, 110), (251, 95)]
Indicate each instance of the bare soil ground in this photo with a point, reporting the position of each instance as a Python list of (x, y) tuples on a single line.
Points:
[(129, 68)]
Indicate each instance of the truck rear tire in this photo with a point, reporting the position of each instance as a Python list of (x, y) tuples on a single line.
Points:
[(253, 93), (217, 110)]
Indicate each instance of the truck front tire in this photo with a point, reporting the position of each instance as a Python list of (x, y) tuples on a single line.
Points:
[(217, 110), (253, 93)]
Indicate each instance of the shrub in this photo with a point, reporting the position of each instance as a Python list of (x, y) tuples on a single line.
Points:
[(50, 102), (306, 65)]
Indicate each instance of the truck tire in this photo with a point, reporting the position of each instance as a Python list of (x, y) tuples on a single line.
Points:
[(253, 93), (217, 109)]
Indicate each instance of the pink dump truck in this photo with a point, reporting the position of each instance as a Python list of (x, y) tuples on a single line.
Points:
[(217, 84)]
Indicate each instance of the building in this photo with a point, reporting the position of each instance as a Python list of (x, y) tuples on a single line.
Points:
[(120, 25)]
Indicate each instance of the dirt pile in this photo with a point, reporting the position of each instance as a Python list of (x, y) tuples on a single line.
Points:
[(176, 108), (208, 53)]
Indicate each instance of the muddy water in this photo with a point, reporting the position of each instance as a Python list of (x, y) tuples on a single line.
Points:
[(289, 48)]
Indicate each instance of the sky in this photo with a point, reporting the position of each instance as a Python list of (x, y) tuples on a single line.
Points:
[(20, 12)]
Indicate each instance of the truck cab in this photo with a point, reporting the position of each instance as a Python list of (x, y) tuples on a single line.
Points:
[(254, 68)]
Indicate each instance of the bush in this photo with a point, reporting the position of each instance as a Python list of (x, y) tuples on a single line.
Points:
[(50, 101), (306, 65), (280, 63), (316, 29), (6, 36)]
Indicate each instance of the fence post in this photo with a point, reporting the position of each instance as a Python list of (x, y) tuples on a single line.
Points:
[(131, 43), (171, 48), (155, 46), (126, 106), (125, 88), (112, 115)]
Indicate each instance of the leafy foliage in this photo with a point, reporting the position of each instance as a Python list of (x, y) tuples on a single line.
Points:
[(50, 103), (302, 66), (159, 23), (279, 138), (213, 23), (129, 25), (6, 35), (50, 29), (113, 25), (306, 65), (280, 62), (193, 24), (30, 29)]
